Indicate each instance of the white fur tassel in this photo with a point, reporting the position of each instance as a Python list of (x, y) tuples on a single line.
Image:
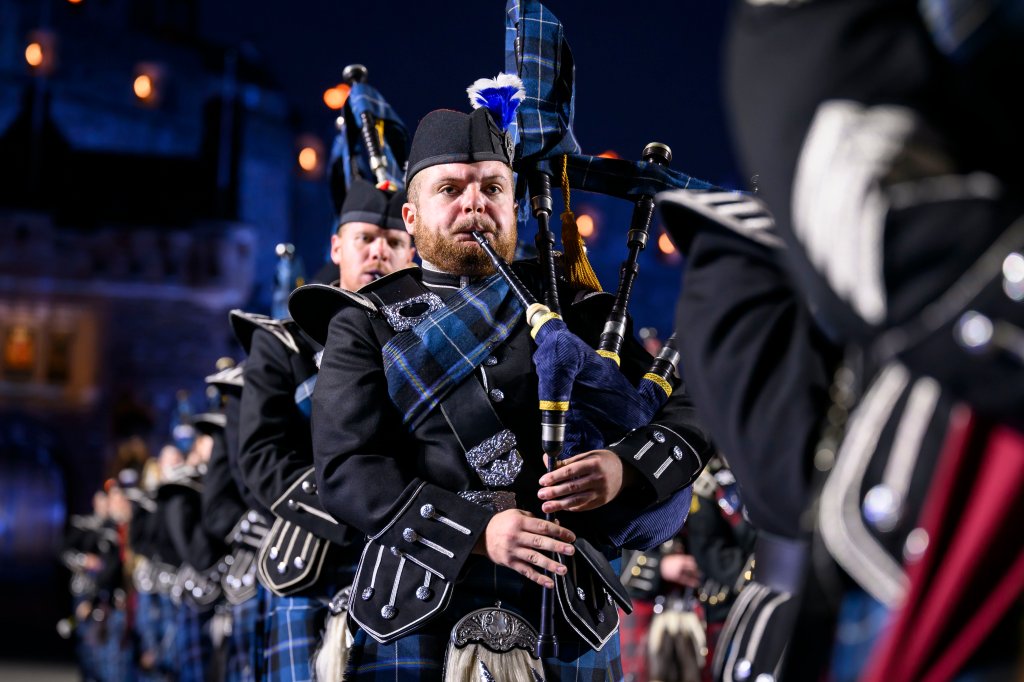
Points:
[(331, 657)]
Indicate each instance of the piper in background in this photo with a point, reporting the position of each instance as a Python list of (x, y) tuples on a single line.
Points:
[(308, 556)]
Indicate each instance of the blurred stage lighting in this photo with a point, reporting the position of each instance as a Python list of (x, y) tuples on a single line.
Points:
[(41, 52), (585, 224), (148, 85), (665, 244), (336, 97)]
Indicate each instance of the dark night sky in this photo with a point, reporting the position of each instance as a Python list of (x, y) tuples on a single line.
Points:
[(645, 70)]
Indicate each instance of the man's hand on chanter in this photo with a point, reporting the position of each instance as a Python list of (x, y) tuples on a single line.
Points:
[(583, 482), (519, 540)]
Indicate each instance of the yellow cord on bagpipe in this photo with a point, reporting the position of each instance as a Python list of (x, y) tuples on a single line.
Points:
[(577, 266), (660, 381)]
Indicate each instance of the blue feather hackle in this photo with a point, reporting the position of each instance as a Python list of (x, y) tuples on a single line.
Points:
[(501, 96)]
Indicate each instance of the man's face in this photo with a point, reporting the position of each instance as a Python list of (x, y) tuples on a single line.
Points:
[(363, 252), (451, 201)]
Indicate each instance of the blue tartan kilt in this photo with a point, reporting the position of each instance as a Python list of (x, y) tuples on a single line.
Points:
[(245, 648), (194, 647), (114, 651), (167, 615), (293, 633), (421, 655)]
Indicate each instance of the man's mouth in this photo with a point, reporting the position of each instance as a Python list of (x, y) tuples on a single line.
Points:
[(373, 274), (467, 235)]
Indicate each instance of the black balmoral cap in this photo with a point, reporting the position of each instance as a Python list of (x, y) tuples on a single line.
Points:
[(446, 136), (364, 203)]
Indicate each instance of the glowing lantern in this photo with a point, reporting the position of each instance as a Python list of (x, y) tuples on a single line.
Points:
[(665, 244), (336, 97), (585, 224)]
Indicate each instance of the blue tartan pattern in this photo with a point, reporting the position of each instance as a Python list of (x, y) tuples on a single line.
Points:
[(245, 647), (421, 655), (626, 179), (151, 628), (545, 65), (424, 363), (348, 144), (167, 648), (543, 132), (115, 654), (293, 632), (194, 648)]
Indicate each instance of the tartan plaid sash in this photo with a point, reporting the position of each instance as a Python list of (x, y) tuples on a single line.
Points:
[(424, 363)]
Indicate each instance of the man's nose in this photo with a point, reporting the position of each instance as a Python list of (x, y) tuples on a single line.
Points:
[(379, 248), (474, 200)]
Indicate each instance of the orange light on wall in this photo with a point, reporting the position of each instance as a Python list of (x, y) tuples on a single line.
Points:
[(609, 154), (336, 97), (310, 156), (75, 2), (143, 86), (34, 55), (308, 159), (585, 224), (665, 244), (41, 52), (148, 85)]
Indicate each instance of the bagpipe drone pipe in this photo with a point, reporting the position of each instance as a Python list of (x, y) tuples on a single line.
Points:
[(372, 141), (600, 403)]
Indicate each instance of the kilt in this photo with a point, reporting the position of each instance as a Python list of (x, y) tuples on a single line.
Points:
[(294, 626), (421, 655), (194, 648), (168, 660), (150, 627), (113, 662), (633, 640), (245, 647)]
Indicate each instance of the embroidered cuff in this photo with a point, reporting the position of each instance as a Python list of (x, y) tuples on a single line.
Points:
[(249, 530), (407, 572), (664, 458), (301, 505)]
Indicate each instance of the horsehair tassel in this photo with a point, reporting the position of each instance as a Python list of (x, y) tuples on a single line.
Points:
[(578, 269)]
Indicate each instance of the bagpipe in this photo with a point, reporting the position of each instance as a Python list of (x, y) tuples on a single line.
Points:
[(372, 141), (585, 400)]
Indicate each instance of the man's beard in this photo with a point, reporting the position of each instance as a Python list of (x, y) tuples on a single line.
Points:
[(439, 248)]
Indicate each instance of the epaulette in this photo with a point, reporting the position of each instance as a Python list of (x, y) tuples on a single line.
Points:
[(184, 476), (210, 422), (140, 498), (688, 211), (85, 521), (313, 306), (245, 325), (232, 378)]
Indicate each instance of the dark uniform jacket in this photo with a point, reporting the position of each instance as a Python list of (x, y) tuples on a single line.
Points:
[(221, 501), (397, 486), (276, 460), (275, 446)]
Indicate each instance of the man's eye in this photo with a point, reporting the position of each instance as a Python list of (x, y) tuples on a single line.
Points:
[(450, 190), (494, 189)]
